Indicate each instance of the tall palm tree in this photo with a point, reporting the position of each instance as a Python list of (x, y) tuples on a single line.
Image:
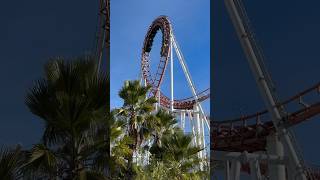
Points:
[(136, 111), (72, 102)]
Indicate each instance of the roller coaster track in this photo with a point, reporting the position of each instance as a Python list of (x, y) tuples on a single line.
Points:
[(187, 103), (190, 106), (249, 132), (162, 23)]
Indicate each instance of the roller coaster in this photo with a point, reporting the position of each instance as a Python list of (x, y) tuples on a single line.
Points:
[(188, 107), (262, 144)]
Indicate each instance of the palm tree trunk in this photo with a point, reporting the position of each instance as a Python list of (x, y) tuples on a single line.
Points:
[(133, 134)]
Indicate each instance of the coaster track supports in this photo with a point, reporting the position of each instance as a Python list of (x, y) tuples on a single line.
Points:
[(261, 77)]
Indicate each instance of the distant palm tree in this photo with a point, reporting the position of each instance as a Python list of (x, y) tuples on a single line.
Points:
[(136, 110), (72, 102)]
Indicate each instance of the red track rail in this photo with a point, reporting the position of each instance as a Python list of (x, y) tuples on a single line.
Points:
[(162, 23), (186, 103), (248, 133)]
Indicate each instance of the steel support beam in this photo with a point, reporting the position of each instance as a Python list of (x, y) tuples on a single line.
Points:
[(260, 77)]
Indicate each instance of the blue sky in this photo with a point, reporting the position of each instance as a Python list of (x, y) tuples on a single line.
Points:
[(31, 32), (289, 36)]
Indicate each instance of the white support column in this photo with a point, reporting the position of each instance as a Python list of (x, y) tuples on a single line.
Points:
[(198, 131), (197, 122), (203, 138), (255, 170), (192, 128), (235, 170), (183, 120), (227, 170), (159, 99), (171, 75), (275, 147)]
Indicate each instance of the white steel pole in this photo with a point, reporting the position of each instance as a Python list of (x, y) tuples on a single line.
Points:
[(171, 74), (198, 133)]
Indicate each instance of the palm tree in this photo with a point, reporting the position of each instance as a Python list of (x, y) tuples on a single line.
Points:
[(120, 150), (136, 110), (161, 124), (72, 102), (177, 155), (10, 163)]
